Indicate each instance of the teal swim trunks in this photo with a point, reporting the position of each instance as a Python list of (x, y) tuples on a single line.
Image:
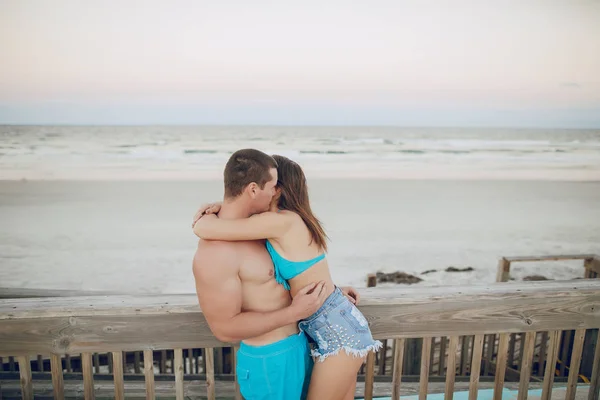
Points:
[(277, 371)]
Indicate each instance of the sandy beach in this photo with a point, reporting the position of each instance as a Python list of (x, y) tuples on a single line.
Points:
[(136, 236)]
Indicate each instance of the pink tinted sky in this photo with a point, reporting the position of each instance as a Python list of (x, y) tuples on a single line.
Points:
[(421, 62)]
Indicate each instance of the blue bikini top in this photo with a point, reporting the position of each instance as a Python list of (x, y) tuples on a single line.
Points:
[(286, 269)]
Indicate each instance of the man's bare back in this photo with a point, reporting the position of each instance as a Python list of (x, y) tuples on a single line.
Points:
[(248, 279)]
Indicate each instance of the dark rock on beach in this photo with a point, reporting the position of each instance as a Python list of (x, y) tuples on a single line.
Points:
[(454, 269), (535, 278), (397, 277)]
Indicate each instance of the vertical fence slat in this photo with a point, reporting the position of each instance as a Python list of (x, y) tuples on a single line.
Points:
[(527, 347), (441, 365), (553, 348), (564, 353), (40, 363), (58, 385), (149, 373), (11, 364), (382, 357), (397, 364), (25, 373), (117, 357), (432, 356), (575, 363), (543, 348), (178, 370), (209, 355), (451, 367), (238, 394), (489, 357), (370, 376), (594, 386), (97, 363), (464, 354), (501, 360), (88, 376), (521, 349), (511, 350), (68, 363), (424, 377), (163, 362), (136, 362), (475, 366)]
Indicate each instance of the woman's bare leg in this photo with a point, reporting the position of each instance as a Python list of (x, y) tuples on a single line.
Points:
[(333, 378)]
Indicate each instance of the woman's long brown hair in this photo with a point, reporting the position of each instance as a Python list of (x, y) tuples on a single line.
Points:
[(294, 197)]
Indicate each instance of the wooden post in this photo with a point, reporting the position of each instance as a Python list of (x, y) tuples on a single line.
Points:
[(424, 377), (500, 365), (503, 272), (475, 366), (527, 346), (490, 344), (369, 379), (178, 370), (371, 280), (441, 363), (451, 368), (25, 372), (118, 375), (40, 363), (574, 365), (88, 376), (553, 347), (382, 356), (595, 379), (137, 359), (149, 373), (58, 385), (210, 372), (397, 364)]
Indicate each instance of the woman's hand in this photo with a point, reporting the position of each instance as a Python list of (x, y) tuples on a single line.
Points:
[(209, 208), (352, 294)]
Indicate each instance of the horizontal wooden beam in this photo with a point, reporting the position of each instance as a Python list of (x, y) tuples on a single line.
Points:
[(113, 323), (551, 258)]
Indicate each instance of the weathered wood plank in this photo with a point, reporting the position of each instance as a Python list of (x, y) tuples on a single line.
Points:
[(553, 348), (594, 392), (424, 377), (499, 308), (528, 345), (210, 373), (464, 354), (575, 363), (550, 258), (25, 372), (451, 369), (476, 366), (117, 357), (501, 365), (149, 374), (57, 377), (370, 376), (398, 364), (88, 377), (178, 370), (137, 359)]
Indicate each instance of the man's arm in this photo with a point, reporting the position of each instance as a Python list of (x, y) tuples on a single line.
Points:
[(219, 291)]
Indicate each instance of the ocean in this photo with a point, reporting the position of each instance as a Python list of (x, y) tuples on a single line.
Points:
[(110, 208)]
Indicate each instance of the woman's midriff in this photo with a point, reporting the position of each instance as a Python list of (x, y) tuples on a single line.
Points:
[(316, 273)]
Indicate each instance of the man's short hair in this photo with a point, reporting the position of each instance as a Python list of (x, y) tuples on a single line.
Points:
[(247, 166)]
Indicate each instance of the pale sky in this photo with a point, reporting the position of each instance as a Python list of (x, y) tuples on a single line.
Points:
[(397, 62)]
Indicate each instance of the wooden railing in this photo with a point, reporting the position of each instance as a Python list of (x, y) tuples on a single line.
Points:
[(591, 264), (53, 327)]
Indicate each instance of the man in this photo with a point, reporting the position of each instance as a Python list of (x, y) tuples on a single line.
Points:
[(241, 299)]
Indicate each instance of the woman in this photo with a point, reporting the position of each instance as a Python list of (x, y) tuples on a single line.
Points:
[(297, 244)]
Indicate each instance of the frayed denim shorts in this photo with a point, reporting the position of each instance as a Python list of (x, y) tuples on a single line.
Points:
[(338, 325)]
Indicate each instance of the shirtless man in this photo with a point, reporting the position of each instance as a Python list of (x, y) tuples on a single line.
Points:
[(242, 301)]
